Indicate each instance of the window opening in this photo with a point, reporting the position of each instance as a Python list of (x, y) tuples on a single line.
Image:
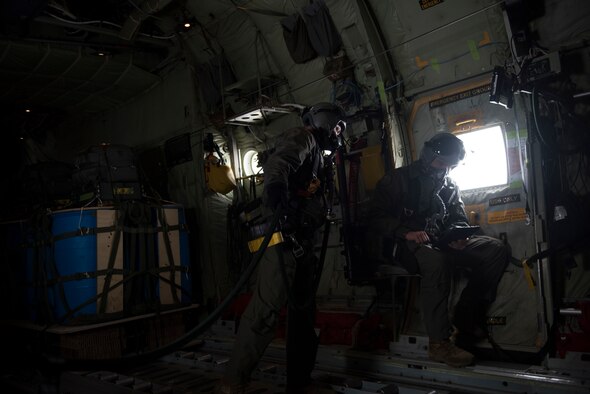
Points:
[(485, 163), (251, 165)]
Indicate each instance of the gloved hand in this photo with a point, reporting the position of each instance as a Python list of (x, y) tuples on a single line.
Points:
[(275, 194)]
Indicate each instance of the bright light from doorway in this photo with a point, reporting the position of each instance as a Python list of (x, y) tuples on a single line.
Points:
[(251, 166), (485, 162)]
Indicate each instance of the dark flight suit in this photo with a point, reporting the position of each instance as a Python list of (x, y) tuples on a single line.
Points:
[(296, 161), (408, 199)]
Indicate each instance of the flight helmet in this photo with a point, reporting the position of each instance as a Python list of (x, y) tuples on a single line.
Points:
[(447, 147), (327, 117)]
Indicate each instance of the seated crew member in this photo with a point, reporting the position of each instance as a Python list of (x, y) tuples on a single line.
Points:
[(411, 207), (294, 179)]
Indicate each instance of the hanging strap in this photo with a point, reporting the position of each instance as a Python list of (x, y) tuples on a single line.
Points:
[(162, 219)]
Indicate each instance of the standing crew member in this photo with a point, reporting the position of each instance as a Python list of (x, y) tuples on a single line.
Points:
[(294, 180), (411, 207)]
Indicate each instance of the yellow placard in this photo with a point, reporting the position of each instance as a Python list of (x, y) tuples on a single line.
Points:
[(509, 215), (123, 191)]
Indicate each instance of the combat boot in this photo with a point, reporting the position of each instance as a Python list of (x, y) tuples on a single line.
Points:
[(446, 352)]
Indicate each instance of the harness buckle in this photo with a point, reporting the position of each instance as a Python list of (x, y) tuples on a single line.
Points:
[(298, 250)]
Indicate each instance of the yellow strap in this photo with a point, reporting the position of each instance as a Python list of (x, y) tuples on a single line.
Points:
[(528, 275), (254, 245)]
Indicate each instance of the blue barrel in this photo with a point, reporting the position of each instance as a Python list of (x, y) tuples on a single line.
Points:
[(76, 261)]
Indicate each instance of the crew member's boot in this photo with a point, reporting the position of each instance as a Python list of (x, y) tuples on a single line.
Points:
[(445, 351)]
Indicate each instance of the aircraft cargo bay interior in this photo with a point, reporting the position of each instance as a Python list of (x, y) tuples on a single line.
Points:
[(295, 196)]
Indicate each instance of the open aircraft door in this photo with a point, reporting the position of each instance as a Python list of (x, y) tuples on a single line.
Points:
[(506, 187), (496, 196)]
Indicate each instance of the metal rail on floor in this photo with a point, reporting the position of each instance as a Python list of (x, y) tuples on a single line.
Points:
[(198, 368)]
